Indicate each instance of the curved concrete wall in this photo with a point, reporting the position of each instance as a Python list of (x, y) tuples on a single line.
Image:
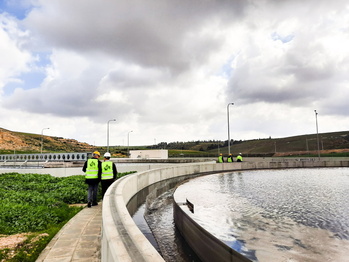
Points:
[(121, 238), (206, 246)]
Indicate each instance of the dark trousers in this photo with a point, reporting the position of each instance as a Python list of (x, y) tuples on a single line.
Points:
[(105, 185), (92, 193)]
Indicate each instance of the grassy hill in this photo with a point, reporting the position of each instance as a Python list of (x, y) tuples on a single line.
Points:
[(329, 143), (334, 144)]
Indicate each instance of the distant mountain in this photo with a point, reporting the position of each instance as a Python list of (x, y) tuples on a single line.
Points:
[(11, 142)]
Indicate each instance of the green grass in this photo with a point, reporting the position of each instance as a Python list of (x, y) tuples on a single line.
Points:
[(189, 153), (39, 205)]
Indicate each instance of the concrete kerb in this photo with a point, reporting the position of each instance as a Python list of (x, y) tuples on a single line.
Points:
[(121, 238)]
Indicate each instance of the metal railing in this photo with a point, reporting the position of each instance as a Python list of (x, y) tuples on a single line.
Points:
[(46, 157)]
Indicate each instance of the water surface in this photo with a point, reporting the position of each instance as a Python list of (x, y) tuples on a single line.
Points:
[(276, 215)]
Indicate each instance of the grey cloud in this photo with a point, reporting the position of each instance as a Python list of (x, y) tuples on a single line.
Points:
[(75, 103), (76, 95), (55, 100), (293, 86), (134, 77), (307, 72), (309, 63), (149, 33)]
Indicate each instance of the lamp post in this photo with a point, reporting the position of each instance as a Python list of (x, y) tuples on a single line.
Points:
[(228, 128), (128, 143), (317, 135), (42, 134), (108, 133)]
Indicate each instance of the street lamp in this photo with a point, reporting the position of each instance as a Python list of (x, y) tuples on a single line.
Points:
[(108, 133), (228, 128), (317, 135), (128, 143), (42, 134)]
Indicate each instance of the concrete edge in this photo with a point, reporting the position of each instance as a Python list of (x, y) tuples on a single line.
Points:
[(206, 246), (121, 238)]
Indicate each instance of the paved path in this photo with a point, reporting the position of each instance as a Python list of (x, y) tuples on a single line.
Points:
[(78, 241)]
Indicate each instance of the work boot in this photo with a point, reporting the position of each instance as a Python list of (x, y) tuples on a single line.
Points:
[(89, 204)]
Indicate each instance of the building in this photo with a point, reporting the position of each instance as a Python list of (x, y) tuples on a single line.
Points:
[(149, 154)]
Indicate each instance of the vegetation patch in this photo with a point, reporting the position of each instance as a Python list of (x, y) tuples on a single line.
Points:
[(33, 209)]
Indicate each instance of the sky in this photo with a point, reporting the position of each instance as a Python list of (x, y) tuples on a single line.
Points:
[(168, 70)]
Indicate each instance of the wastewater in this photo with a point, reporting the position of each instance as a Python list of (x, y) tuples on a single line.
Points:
[(267, 215)]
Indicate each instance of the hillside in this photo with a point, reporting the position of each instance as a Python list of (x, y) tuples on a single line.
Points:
[(330, 143), (335, 142), (11, 142)]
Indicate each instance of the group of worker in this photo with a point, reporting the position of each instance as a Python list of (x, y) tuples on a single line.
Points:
[(229, 158), (97, 171), (106, 173)]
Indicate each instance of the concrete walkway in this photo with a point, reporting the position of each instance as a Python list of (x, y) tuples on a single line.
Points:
[(79, 240)]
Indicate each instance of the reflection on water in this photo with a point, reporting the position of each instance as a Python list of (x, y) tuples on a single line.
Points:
[(276, 215)]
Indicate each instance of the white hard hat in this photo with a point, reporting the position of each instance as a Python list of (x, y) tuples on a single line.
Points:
[(107, 154)]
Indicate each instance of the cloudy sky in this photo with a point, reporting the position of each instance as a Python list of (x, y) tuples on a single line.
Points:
[(167, 70)]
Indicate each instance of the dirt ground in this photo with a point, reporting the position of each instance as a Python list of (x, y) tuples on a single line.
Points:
[(12, 241)]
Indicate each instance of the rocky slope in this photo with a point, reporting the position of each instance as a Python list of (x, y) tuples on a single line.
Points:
[(11, 141)]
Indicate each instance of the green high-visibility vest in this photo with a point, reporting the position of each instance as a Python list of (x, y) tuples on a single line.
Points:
[(92, 169), (107, 170)]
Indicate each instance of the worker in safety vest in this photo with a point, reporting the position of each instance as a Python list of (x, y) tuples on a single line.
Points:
[(230, 158), (109, 173), (93, 170), (220, 159), (239, 158)]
